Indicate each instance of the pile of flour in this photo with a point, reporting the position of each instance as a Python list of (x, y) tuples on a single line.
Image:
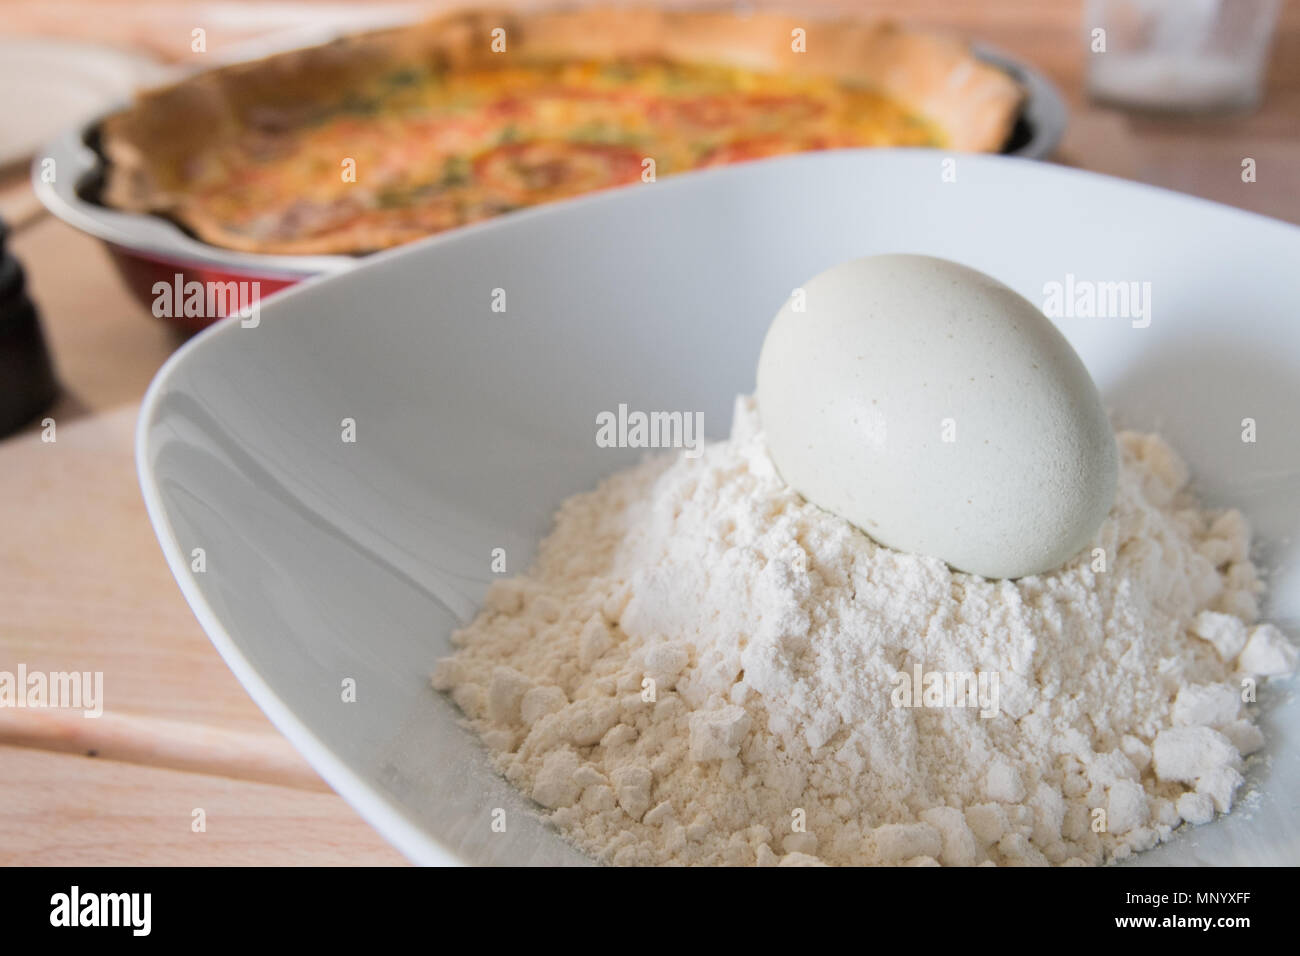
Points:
[(701, 668)]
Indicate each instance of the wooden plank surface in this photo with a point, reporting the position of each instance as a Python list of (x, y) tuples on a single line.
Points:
[(64, 810), (83, 585)]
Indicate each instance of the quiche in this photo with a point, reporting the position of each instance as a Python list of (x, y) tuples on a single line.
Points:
[(381, 138)]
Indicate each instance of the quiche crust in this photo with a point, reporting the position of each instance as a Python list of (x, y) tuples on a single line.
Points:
[(150, 145)]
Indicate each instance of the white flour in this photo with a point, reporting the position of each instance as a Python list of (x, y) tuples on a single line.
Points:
[(772, 633)]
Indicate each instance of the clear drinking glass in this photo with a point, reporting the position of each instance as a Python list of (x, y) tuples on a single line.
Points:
[(1178, 55)]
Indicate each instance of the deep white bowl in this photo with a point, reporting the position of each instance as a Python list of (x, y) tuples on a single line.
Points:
[(328, 561)]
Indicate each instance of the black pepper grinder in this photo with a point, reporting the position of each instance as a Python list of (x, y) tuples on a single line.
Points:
[(27, 385)]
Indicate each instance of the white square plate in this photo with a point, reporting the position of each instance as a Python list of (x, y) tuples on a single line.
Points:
[(329, 560)]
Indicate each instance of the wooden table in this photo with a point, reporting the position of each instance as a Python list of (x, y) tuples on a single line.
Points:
[(83, 585)]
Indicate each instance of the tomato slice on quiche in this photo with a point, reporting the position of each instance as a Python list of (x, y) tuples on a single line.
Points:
[(542, 170)]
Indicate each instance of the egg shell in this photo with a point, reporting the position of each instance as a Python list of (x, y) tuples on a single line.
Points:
[(940, 412)]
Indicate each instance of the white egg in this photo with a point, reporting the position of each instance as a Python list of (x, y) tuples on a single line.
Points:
[(940, 412)]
